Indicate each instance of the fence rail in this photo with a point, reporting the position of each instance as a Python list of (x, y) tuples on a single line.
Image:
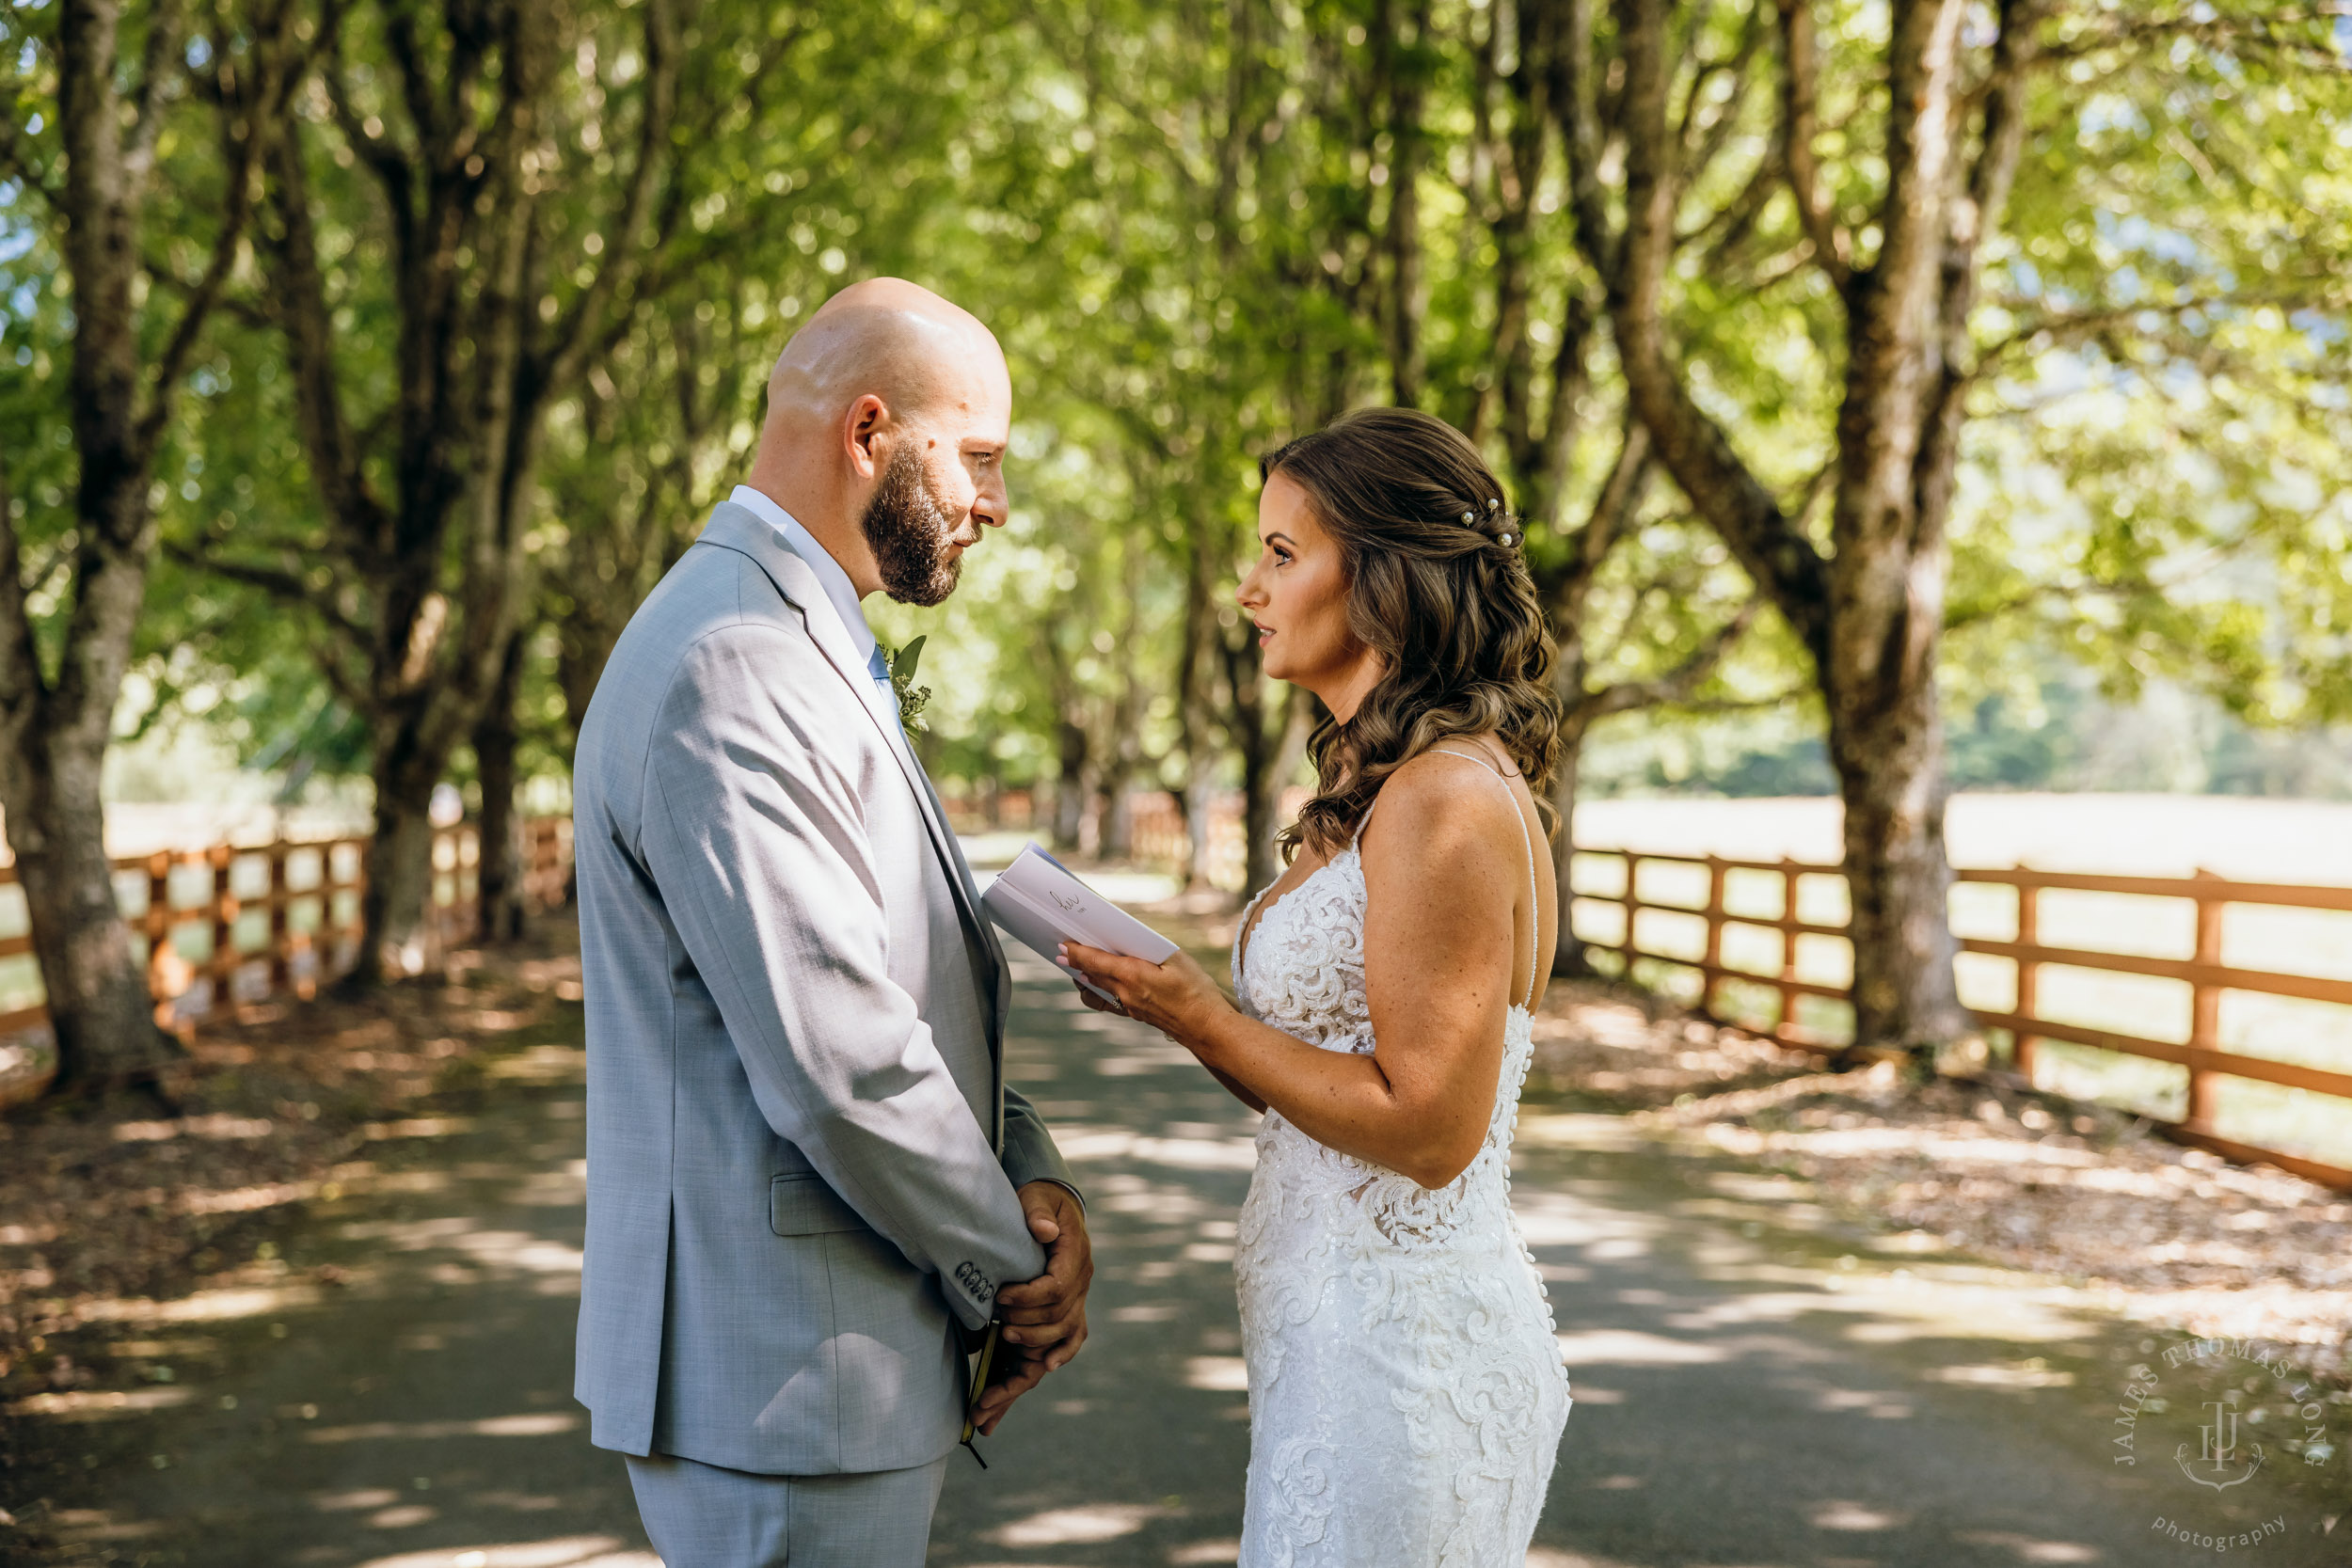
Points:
[(308, 892), (1158, 832), (206, 950), (2204, 972)]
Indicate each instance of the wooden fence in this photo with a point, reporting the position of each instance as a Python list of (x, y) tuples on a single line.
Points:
[(2204, 972), (237, 923), (990, 811), (1157, 833)]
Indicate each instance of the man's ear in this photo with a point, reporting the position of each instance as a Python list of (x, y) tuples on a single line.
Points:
[(863, 432)]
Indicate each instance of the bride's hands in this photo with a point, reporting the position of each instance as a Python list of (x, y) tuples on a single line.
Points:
[(1177, 997)]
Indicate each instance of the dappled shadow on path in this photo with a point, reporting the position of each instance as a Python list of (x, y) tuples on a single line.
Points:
[(1135, 1453), (1754, 1385), (400, 1396), (1757, 1383)]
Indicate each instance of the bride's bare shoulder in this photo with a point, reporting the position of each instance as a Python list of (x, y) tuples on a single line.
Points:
[(1443, 809)]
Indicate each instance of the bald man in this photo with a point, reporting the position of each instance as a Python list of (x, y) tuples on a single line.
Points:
[(810, 1192)]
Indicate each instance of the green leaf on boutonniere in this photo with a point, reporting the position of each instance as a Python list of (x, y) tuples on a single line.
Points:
[(911, 696)]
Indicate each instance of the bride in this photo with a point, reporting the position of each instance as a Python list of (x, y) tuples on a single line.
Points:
[(1406, 1395)]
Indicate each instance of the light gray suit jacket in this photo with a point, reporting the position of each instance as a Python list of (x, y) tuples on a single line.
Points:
[(802, 1155)]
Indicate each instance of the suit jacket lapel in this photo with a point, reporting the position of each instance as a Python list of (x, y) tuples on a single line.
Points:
[(733, 528), (960, 871)]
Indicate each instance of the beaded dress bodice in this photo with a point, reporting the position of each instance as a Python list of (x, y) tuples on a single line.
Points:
[(1406, 1394), (1305, 977)]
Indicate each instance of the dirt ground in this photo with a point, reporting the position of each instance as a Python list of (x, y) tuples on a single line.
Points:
[(127, 1202), (110, 1217), (105, 1209), (2095, 1200)]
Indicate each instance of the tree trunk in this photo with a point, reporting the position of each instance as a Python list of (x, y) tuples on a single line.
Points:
[(55, 736), (1197, 799), (1122, 750), (499, 873), (1195, 665), (583, 646), (1569, 958), (127, 360), (1090, 839), (1116, 836), (1268, 753), (1260, 864), (1399, 54), (1567, 588), (1886, 741), (99, 1004), (1070, 783), (1119, 755), (1870, 611), (421, 568), (396, 905)]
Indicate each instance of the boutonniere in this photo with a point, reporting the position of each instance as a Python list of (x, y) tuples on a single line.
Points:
[(911, 696)]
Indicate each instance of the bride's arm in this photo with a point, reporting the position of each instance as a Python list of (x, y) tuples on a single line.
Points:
[(1444, 862), (1237, 1090)]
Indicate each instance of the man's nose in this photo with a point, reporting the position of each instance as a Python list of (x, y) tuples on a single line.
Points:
[(993, 505)]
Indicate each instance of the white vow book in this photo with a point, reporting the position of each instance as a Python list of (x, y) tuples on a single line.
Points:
[(1038, 901)]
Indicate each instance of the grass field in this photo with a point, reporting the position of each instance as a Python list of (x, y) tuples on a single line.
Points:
[(2286, 841)]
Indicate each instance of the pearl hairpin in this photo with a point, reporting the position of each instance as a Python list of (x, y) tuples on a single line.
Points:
[(1468, 517), (1507, 539), (1492, 504)]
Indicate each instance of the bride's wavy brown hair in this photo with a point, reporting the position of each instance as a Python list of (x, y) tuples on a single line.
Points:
[(1438, 586)]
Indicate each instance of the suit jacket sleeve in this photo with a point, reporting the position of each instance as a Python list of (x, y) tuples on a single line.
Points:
[(755, 837), (1029, 1152)]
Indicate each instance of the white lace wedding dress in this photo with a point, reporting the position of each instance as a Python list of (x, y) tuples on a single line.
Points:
[(1406, 1395)]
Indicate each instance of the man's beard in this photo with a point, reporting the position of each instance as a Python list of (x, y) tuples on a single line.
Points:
[(911, 533)]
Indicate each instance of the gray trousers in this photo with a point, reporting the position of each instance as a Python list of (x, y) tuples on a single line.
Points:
[(702, 1517)]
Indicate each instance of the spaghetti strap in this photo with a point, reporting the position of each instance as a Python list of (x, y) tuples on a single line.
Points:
[(1535, 893), (1241, 933)]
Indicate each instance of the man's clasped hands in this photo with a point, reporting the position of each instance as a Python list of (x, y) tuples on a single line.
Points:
[(1045, 1318)]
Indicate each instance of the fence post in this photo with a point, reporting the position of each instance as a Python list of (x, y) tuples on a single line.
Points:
[(1785, 1029), (2028, 974), (355, 931), (223, 964), (2204, 1027), (438, 917), (1632, 907), (280, 959), (159, 934), (1714, 958), (470, 836)]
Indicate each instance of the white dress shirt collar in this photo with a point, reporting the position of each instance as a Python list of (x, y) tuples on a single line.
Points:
[(830, 577)]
